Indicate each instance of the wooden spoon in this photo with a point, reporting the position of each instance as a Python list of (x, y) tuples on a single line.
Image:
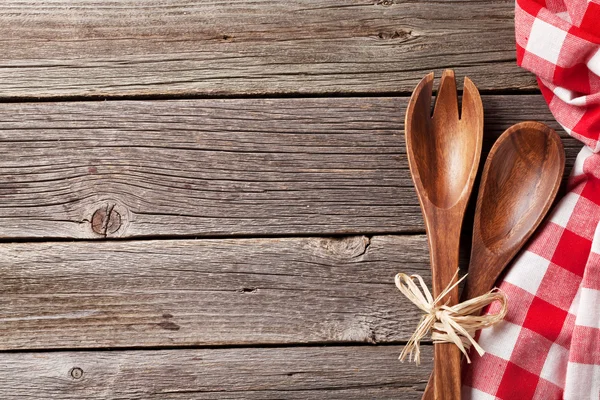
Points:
[(443, 154), (520, 180)]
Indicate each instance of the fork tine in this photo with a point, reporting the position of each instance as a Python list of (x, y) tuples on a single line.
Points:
[(472, 109), (420, 101), (446, 102)]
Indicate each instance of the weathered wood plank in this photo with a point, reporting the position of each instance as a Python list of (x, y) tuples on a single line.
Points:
[(183, 47), (218, 167), (364, 372), (207, 292)]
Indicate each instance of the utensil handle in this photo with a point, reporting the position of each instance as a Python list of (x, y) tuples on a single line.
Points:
[(446, 376), (470, 290), (444, 248), (467, 293)]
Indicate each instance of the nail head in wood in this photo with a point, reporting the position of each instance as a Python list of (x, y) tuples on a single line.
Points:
[(76, 373)]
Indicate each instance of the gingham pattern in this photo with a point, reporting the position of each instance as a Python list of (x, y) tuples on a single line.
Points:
[(559, 40), (549, 345)]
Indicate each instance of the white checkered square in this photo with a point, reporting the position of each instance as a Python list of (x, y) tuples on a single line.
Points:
[(474, 394), (565, 16), (589, 313), (580, 161), (528, 271), (545, 41), (555, 367), (578, 373), (500, 339), (575, 304), (594, 63), (569, 96), (596, 240), (562, 213)]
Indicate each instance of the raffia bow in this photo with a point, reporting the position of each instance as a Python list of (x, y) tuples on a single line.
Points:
[(449, 324)]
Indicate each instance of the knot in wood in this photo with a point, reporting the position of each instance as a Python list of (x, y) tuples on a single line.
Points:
[(399, 34), (106, 220), (347, 247)]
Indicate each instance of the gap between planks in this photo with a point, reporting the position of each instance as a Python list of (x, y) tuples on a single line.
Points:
[(142, 48), (292, 373), (199, 96), (228, 292), (218, 168)]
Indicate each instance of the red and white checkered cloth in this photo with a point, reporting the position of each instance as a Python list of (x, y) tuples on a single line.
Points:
[(549, 345)]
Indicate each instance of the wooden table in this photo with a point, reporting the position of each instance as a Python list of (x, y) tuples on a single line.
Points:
[(210, 199)]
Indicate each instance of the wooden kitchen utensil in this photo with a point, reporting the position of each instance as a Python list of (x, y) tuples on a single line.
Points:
[(443, 153), (520, 180)]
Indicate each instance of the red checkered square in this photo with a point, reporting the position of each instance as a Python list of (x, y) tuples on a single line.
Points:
[(526, 387), (530, 7), (578, 74), (589, 124), (591, 191), (568, 40), (545, 319), (591, 19), (572, 252)]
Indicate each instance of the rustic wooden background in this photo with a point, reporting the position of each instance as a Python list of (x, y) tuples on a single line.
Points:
[(210, 199)]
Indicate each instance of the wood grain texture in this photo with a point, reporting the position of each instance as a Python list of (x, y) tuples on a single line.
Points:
[(207, 292), (186, 47), (519, 183), (443, 150), (271, 373), (218, 167)]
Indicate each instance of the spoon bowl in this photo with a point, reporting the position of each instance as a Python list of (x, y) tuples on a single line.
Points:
[(520, 180)]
